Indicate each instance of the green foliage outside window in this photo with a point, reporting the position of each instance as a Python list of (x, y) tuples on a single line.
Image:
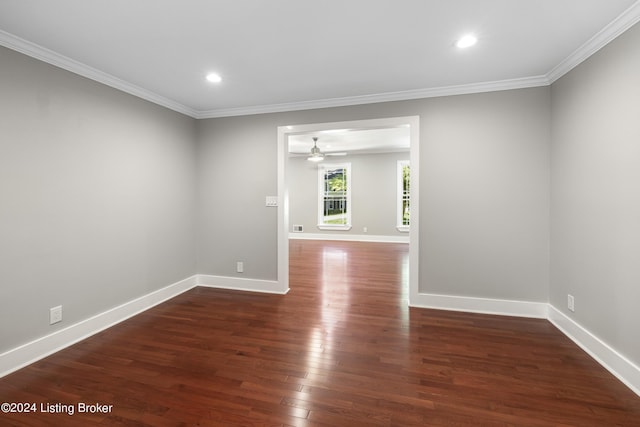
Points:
[(406, 183)]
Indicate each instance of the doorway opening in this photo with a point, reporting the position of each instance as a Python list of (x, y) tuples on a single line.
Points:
[(287, 135)]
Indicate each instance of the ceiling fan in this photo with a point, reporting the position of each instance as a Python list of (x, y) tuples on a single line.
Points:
[(316, 155)]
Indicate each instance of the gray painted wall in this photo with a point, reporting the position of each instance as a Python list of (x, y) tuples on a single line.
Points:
[(595, 197), (97, 193), (485, 195), (374, 193), (236, 171), (484, 191)]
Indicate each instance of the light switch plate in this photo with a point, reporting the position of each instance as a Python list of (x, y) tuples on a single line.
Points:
[(272, 201)]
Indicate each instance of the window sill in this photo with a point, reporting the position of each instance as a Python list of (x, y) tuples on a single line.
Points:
[(403, 228), (334, 227)]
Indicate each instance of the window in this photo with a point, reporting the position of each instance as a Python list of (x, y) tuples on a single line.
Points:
[(334, 196), (404, 195)]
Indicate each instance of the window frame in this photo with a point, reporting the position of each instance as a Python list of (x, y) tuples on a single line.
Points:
[(400, 197), (322, 168)]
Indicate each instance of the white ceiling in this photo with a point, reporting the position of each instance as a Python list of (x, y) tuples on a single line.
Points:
[(282, 55)]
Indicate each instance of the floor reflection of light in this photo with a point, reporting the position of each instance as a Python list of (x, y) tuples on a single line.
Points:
[(335, 285), (404, 284), (405, 312), (335, 297)]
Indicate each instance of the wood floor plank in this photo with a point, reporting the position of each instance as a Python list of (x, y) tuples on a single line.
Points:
[(341, 349)]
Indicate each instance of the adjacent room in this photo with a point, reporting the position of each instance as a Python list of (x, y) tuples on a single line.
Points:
[(333, 213)]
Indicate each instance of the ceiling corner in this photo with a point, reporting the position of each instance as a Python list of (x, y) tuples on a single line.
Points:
[(622, 23)]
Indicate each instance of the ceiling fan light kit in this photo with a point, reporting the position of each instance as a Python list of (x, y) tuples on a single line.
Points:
[(316, 155)]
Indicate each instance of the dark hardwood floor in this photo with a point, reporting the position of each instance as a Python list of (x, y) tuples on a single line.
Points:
[(341, 349)]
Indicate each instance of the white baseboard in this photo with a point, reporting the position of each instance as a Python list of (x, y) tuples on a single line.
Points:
[(621, 367), (40, 348), (350, 237), (240, 284), (481, 305)]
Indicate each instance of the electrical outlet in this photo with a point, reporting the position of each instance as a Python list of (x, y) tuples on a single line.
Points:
[(364, 229), (55, 315), (240, 267), (571, 303)]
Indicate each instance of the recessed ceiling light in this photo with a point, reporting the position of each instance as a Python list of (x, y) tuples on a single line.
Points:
[(214, 78), (466, 41)]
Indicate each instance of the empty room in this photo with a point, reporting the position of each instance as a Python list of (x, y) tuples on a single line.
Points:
[(331, 213)]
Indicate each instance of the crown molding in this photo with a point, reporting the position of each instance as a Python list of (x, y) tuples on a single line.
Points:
[(618, 26), (622, 23), (46, 55), (380, 97)]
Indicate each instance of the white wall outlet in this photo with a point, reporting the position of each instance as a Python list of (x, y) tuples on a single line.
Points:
[(240, 267), (298, 228), (571, 303), (55, 315), (364, 229)]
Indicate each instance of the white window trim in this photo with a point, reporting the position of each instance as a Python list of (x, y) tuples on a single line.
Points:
[(321, 171), (399, 214)]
